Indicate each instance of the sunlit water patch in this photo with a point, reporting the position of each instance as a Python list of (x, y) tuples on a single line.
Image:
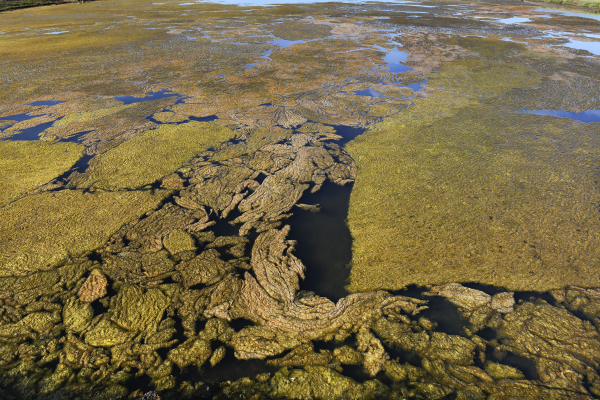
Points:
[(55, 32), (283, 43), (20, 117), (46, 103), (514, 20), (592, 47)]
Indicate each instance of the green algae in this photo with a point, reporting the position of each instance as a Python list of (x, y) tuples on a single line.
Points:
[(151, 155), (27, 165), (67, 223)]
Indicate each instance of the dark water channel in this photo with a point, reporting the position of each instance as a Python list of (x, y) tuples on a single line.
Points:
[(20, 117), (324, 240), (46, 103), (128, 99)]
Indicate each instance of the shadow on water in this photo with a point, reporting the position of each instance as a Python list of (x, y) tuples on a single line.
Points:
[(75, 138), (523, 364), (324, 240), (80, 166)]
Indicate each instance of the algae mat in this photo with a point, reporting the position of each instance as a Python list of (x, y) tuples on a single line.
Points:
[(44, 230), (479, 196), (111, 287), (25, 166), (151, 155)]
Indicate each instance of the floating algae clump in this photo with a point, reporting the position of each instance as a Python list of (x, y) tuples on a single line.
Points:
[(24, 166), (65, 223), (151, 155)]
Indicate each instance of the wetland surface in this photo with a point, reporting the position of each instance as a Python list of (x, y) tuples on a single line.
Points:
[(382, 200)]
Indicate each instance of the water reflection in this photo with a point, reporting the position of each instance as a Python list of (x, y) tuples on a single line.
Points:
[(46, 103), (592, 47), (585, 116), (369, 92), (514, 20), (32, 133), (128, 99), (287, 43), (393, 58)]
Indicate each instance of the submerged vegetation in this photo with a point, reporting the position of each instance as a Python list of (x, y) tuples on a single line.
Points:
[(147, 234)]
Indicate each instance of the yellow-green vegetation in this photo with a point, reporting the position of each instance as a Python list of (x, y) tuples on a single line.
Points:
[(452, 190), (90, 116), (151, 155), (26, 165), (44, 230)]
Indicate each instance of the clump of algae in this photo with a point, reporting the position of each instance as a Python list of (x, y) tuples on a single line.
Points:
[(27, 165), (65, 223), (151, 155)]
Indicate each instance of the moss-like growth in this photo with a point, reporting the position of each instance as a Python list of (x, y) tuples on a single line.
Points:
[(178, 241), (151, 155), (65, 223), (420, 215), (501, 371), (24, 166)]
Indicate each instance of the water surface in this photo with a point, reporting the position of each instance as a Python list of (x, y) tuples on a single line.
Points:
[(584, 116)]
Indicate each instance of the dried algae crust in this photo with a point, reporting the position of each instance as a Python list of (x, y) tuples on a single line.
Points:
[(151, 155), (24, 166), (525, 220), (43, 230)]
